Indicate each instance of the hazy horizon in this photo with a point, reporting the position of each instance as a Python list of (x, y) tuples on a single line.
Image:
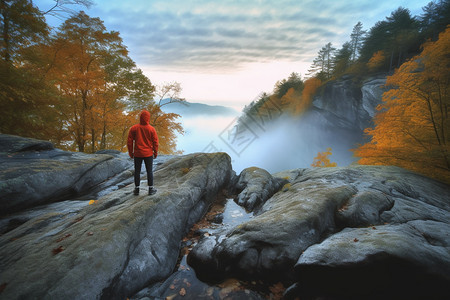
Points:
[(273, 147)]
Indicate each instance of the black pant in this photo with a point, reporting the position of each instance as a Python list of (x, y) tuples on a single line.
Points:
[(137, 170)]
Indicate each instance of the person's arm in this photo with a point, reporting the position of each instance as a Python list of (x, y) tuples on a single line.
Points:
[(130, 143)]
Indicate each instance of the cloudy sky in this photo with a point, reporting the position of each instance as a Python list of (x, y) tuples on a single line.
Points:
[(228, 52)]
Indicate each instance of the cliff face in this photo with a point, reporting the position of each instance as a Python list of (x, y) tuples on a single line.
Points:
[(275, 140), (352, 104)]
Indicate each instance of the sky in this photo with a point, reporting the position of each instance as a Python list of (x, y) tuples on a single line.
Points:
[(228, 52)]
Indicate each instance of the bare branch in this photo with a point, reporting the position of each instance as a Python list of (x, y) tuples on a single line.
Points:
[(61, 7), (170, 92)]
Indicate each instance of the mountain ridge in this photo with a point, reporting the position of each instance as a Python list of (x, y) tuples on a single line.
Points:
[(186, 108)]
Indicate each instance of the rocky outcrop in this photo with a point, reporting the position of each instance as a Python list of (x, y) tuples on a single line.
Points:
[(352, 104), (116, 246), (331, 223), (358, 232), (33, 172), (256, 186)]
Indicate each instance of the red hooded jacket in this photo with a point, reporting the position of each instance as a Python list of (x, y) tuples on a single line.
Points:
[(144, 137)]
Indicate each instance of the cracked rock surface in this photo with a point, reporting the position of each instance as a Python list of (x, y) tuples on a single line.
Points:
[(114, 247), (34, 173), (329, 222)]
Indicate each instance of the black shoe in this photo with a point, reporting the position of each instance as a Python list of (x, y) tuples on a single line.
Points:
[(136, 191), (152, 191)]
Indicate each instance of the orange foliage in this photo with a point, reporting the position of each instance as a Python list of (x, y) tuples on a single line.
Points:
[(322, 160), (296, 101), (290, 99), (412, 128), (377, 61), (310, 87)]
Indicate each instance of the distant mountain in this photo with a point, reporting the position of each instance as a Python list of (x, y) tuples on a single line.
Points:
[(190, 109)]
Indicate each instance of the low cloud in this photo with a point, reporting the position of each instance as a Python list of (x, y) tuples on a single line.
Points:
[(227, 34)]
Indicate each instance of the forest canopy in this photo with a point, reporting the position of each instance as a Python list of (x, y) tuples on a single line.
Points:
[(412, 125), (75, 86)]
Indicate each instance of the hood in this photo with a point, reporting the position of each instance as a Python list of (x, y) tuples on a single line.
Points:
[(144, 118)]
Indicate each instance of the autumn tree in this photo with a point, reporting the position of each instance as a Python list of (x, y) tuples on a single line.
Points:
[(377, 61), (24, 97), (322, 159), (310, 87), (412, 127), (89, 68)]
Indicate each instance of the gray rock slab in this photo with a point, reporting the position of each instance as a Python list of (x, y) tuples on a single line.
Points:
[(320, 205), (32, 173), (115, 247)]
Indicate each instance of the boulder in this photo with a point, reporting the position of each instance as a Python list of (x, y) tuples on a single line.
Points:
[(394, 261), (328, 222), (34, 173), (13, 144), (116, 246), (256, 186)]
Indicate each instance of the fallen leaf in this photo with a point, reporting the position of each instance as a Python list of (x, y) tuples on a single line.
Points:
[(58, 250), (172, 287), (63, 238), (277, 291), (182, 292), (90, 233), (356, 240), (92, 202), (373, 227), (171, 297)]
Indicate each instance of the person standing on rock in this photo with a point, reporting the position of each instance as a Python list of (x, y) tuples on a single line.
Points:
[(142, 145)]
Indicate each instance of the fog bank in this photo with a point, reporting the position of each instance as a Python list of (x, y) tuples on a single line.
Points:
[(283, 144)]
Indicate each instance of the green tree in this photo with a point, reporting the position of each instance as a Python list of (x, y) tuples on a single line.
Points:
[(294, 81), (322, 66), (357, 38), (435, 18), (342, 59), (397, 37)]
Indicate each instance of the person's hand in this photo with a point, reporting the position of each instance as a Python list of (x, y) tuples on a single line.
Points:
[(130, 154), (155, 154)]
